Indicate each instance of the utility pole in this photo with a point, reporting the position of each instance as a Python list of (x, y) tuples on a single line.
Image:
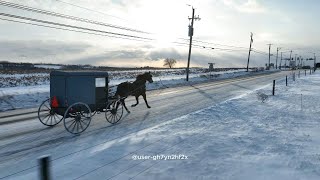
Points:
[(251, 41), (278, 48), (290, 56), (300, 62), (295, 60), (269, 54), (280, 60), (190, 44), (314, 62)]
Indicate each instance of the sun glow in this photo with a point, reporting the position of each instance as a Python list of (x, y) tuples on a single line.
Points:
[(164, 40)]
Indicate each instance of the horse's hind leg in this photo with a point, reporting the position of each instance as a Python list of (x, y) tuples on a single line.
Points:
[(137, 99), (145, 100), (124, 104)]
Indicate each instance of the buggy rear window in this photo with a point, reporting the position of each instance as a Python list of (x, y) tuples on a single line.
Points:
[(100, 82)]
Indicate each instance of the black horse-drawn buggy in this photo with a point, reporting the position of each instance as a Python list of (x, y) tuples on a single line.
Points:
[(77, 96)]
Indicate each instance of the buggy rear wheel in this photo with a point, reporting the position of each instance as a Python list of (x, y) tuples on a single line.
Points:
[(47, 115), (114, 111), (77, 118)]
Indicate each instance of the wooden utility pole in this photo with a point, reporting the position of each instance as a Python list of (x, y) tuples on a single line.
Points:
[(251, 41), (295, 60), (190, 44), (278, 48), (314, 62), (280, 60), (269, 55)]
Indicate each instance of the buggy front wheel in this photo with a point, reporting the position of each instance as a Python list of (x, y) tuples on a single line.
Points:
[(77, 118), (114, 111), (47, 114)]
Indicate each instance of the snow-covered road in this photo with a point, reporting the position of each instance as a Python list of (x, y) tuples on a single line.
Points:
[(222, 127)]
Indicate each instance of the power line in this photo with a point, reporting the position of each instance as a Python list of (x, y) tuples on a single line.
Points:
[(51, 13), (71, 26), (71, 30), (205, 47), (260, 52), (99, 12), (204, 42), (217, 48), (119, 37), (221, 44)]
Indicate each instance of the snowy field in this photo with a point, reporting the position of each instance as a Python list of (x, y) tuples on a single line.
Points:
[(244, 138), (240, 138), (30, 90)]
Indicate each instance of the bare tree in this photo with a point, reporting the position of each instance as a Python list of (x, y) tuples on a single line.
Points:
[(169, 62)]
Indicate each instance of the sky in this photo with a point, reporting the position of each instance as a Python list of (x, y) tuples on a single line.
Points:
[(162, 26)]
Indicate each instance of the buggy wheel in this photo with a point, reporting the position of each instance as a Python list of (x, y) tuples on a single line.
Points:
[(47, 115), (114, 112), (77, 118)]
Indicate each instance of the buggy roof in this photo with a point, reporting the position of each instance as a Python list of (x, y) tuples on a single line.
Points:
[(79, 73)]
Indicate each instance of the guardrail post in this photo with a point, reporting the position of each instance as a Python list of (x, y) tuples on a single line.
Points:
[(310, 70), (305, 72), (273, 88), (299, 74), (44, 164), (286, 80)]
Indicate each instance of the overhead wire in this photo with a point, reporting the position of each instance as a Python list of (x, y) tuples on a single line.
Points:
[(259, 52), (199, 41), (99, 12), (205, 47), (198, 44), (51, 13), (36, 10), (216, 44), (72, 26), (71, 30)]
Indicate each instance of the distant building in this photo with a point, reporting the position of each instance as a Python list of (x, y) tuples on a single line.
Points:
[(292, 64), (9, 65)]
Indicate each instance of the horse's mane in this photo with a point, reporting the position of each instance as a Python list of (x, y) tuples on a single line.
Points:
[(140, 77)]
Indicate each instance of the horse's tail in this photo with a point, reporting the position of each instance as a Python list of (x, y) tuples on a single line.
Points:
[(117, 95)]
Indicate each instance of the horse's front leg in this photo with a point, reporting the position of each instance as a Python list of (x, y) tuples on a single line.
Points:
[(145, 99), (137, 99)]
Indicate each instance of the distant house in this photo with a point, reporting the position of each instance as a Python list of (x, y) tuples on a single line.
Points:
[(292, 64)]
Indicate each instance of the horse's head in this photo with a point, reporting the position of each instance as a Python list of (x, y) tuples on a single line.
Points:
[(148, 77)]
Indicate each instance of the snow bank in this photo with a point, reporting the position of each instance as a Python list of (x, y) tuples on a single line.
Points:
[(244, 138)]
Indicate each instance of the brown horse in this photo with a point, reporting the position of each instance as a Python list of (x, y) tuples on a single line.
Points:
[(136, 88)]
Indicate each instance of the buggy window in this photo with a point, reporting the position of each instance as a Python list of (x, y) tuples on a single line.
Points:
[(100, 82)]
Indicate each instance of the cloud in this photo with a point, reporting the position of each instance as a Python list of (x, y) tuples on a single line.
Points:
[(249, 6), (161, 54), (110, 57), (36, 49)]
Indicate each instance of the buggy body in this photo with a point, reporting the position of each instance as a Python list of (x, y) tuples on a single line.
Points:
[(87, 87), (76, 96)]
